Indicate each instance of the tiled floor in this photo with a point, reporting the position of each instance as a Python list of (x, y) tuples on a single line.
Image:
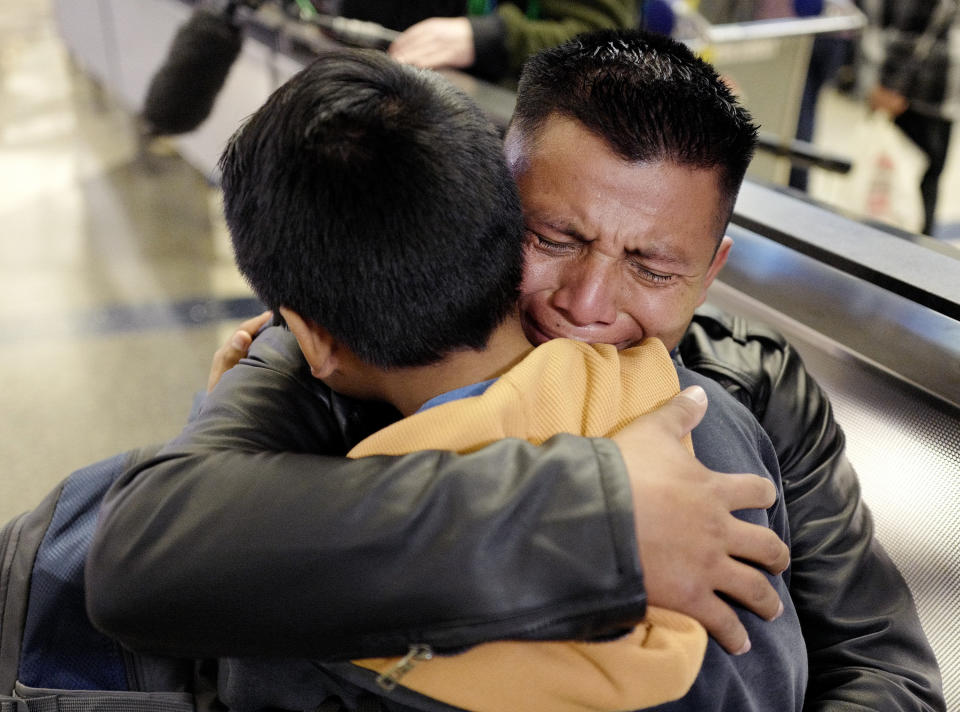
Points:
[(116, 280)]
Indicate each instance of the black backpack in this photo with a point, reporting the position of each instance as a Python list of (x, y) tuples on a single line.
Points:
[(51, 656)]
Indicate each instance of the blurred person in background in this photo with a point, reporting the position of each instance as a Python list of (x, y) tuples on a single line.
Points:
[(912, 73), (487, 38)]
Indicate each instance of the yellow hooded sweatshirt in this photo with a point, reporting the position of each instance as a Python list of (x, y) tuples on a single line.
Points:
[(562, 386)]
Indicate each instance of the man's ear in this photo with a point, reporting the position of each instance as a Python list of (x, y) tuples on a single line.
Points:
[(317, 344), (719, 260)]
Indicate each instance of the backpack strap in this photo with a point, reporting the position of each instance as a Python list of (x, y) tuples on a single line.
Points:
[(365, 703), (27, 699)]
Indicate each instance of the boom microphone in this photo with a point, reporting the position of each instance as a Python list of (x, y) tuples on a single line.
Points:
[(183, 90)]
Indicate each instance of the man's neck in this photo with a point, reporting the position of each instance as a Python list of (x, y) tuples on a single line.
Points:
[(409, 388)]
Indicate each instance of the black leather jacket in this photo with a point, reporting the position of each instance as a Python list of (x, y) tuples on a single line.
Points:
[(308, 555)]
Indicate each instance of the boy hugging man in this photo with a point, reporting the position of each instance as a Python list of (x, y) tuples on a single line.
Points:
[(370, 205)]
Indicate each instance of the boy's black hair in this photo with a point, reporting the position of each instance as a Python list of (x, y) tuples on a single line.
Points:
[(647, 96), (373, 199)]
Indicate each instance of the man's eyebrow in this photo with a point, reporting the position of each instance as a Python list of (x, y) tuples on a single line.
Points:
[(567, 229), (656, 255)]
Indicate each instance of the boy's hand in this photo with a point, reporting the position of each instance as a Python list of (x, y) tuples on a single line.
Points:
[(235, 348), (689, 541)]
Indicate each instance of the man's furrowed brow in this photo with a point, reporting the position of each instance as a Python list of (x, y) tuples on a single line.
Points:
[(656, 254), (565, 228)]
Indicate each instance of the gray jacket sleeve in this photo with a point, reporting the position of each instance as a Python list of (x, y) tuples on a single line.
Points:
[(505, 38), (251, 534)]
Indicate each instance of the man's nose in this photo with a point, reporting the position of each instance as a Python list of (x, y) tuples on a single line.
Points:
[(588, 291)]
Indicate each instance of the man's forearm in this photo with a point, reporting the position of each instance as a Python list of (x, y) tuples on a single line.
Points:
[(233, 553)]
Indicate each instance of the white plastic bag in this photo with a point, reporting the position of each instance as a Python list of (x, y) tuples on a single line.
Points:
[(884, 184)]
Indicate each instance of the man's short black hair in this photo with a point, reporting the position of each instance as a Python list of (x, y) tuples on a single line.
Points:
[(373, 199), (647, 96)]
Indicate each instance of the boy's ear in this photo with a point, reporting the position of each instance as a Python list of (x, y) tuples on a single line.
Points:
[(317, 344)]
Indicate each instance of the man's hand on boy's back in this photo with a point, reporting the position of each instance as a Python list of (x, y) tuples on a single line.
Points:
[(690, 544)]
